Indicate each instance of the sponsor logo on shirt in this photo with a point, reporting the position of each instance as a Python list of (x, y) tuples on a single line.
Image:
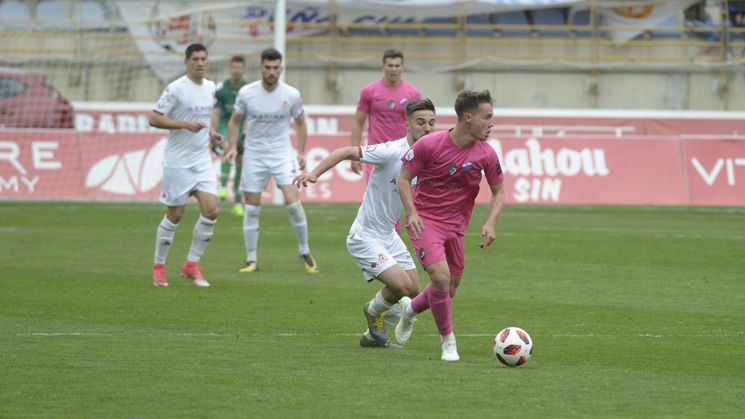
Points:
[(410, 155), (452, 169), (467, 166), (404, 100)]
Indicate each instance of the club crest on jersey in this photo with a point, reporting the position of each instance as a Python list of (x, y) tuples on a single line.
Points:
[(467, 166), (391, 104), (452, 169), (285, 105), (422, 254), (410, 155)]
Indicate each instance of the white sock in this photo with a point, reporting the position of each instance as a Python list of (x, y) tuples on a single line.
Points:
[(163, 240), (378, 304), (394, 315), (299, 226), (203, 230), (251, 231)]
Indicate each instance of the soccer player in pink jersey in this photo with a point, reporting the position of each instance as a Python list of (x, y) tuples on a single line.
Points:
[(448, 167), (383, 104)]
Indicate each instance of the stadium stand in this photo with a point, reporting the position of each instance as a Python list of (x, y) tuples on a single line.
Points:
[(551, 17), (89, 14), (479, 25), (581, 22), (440, 26), (14, 14), (52, 12), (517, 20)]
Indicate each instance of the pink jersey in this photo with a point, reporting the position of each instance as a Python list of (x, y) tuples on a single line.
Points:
[(386, 109), (448, 177)]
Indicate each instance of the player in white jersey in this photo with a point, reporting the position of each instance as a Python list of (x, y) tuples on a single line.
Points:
[(269, 106), (185, 108), (373, 240)]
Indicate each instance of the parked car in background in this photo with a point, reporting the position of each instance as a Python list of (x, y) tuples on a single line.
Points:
[(27, 101)]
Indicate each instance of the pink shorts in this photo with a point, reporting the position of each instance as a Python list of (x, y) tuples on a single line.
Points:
[(438, 242)]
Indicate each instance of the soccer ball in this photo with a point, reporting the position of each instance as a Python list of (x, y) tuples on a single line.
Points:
[(513, 346)]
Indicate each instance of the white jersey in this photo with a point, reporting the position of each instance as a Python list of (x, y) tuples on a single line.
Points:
[(268, 116), (381, 206), (187, 101)]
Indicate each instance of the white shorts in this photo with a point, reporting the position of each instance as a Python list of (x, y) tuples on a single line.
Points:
[(178, 183), (257, 170), (375, 255)]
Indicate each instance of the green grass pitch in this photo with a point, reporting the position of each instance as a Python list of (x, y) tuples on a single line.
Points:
[(635, 312)]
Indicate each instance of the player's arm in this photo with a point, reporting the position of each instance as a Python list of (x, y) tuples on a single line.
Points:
[(158, 120), (359, 122), (336, 157), (495, 210), (234, 125), (407, 199), (215, 136), (215, 118), (301, 128)]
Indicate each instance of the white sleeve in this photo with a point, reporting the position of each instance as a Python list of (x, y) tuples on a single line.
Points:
[(380, 154), (297, 105), (168, 100), (240, 103)]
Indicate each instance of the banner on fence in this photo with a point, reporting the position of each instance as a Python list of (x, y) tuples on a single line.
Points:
[(552, 157)]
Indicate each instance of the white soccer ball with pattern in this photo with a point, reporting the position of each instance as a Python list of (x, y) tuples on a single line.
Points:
[(513, 346)]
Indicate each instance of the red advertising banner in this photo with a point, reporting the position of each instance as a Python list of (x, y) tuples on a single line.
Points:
[(39, 164), (713, 169), (552, 157)]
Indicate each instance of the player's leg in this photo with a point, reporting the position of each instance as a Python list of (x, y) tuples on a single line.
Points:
[(238, 208), (373, 258), (430, 248), (284, 170), (163, 240), (206, 194), (224, 166), (455, 262), (252, 210), (174, 194), (404, 325), (299, 225), (254, 178), (454, 252)]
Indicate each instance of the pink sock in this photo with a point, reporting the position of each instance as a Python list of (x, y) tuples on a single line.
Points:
[(442, 311), (421, 301)]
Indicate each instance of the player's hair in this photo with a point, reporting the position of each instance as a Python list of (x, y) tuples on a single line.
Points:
[(419, 105), (393, 53), (194, 48), (237, 59), (470, 100), (270, 54)]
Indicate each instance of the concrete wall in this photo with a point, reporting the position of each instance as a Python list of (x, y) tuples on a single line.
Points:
[(82, 68)]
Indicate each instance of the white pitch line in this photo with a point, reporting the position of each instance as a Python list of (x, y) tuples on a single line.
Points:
[(470, 335)]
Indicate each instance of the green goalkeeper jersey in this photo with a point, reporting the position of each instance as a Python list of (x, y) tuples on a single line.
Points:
[(225, 99)]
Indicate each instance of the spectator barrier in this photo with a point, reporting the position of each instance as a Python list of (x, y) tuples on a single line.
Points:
[(549, 157)]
